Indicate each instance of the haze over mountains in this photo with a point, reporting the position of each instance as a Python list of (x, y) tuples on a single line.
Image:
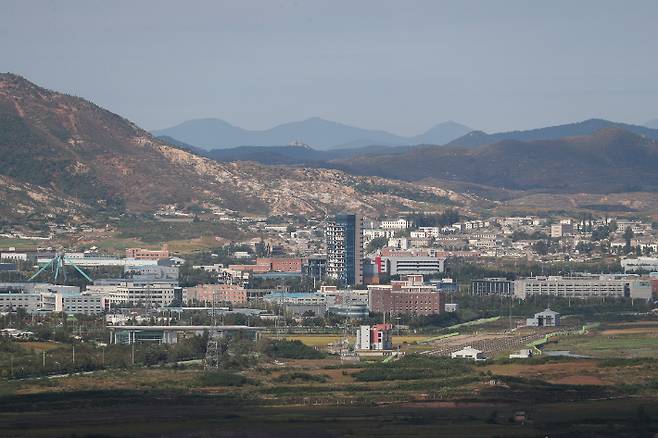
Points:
[(316, 132)]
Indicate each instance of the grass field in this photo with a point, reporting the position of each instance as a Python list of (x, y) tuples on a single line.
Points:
[(117, 245), (617, 341), (23, 244)]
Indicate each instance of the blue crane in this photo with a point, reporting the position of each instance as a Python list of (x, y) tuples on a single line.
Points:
[(57, 265)]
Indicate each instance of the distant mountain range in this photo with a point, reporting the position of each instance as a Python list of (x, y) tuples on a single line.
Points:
[(609, 160), (318, 133), (587, 127)]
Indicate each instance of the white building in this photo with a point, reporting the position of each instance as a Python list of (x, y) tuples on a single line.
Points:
[(640, 264), (156, 293), (524, 353), (421, 265), (87, 304), (376, 337), (374, 233), (14, 256), (546, 318), (34, 302), (451, 307), (398, 224), (563, 229), (426, 233), (468, 353), (583, 287), (398, 243), (90, 260)]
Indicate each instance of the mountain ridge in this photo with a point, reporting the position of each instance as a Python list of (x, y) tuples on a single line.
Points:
[(66, 155), (610, 160), (585, 127), (320, 133)]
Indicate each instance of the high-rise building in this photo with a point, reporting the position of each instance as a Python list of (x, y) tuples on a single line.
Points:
[(344, 249)]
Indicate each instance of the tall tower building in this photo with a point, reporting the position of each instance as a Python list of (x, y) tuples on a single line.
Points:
[(345, 249)]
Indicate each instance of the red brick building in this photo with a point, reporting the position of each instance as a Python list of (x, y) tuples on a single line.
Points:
[(407, 296), (148, 254), (223, 293), (281, 264)]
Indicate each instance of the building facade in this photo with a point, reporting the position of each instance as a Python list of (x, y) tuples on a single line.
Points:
[(492, 286), (584, 287), (220, 293), (413, 265), (148, 254), (376, 337), (345, 249), (86, 304), (407, 296)]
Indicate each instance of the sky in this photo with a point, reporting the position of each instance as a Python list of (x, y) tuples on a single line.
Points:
[(401, 66)]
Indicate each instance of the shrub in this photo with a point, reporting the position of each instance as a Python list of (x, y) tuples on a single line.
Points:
[(222, 378), (292, 350), (299, 377)]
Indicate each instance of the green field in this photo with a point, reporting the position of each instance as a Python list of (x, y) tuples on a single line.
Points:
[(23, 244), (602, 346)]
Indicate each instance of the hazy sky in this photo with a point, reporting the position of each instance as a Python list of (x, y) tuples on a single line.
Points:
[(401, 66)]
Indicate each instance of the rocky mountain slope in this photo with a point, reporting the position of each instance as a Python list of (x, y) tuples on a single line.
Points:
[(64, 154)]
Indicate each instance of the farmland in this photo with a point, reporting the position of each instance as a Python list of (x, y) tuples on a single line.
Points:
[(611, 394)]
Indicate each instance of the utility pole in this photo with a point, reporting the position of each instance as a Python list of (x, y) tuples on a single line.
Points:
[(213, 347), (44, 359), (73, 355), (132, 353)]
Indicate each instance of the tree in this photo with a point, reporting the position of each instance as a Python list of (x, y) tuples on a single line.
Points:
[(600, 233), (375, 244), (541, 247), (628, 235)]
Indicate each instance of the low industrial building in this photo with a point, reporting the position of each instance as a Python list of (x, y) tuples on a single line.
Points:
[(545, 318), (468, 353), (613, 286), (125, 334)]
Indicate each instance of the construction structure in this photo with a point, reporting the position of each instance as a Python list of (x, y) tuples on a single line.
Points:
[(58, 266), (345, 249)]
